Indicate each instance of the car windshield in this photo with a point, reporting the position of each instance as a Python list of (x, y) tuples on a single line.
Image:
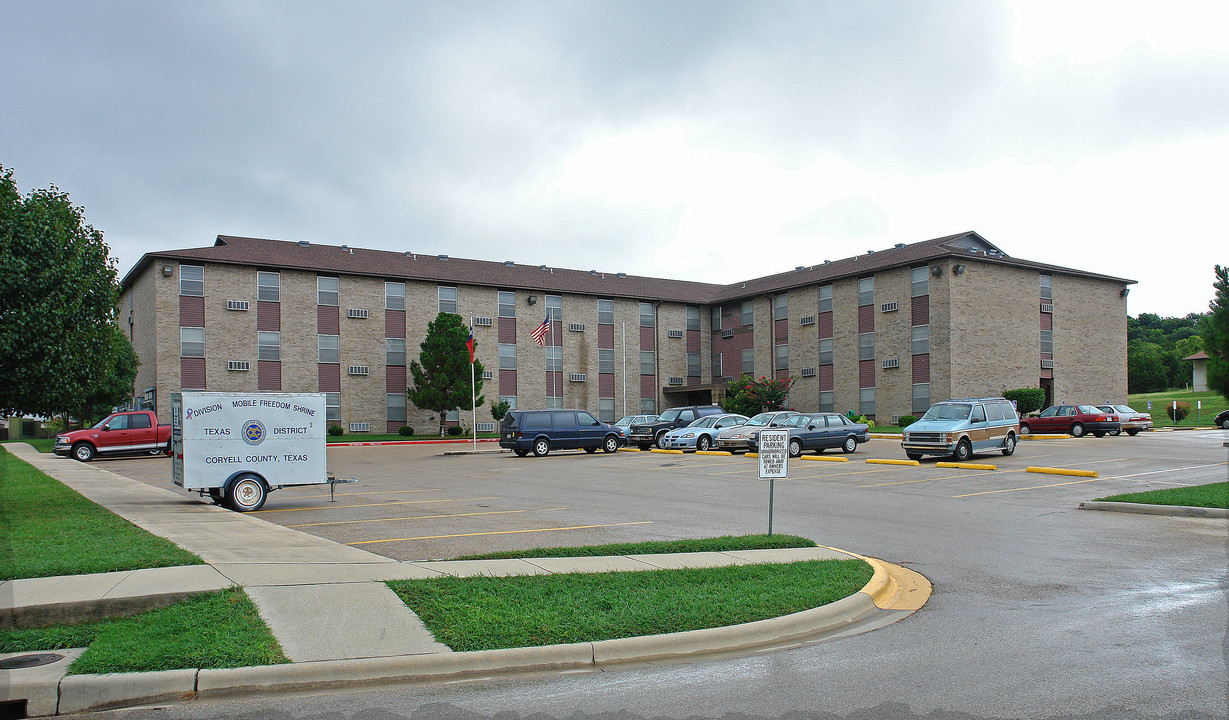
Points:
[(948, 411), (1123, 408), (1088, 409), (761, 419), (704, 421), (668, 416), (100, 423)]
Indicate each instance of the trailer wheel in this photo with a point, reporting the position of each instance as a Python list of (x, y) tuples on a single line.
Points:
[(246, 493)]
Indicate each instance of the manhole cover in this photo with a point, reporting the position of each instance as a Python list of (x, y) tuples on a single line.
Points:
[(29, 661)]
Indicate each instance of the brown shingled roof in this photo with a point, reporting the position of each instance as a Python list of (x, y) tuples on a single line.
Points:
[(343, 260)]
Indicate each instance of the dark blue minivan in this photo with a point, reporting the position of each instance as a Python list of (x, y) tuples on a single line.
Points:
[(540, 431)]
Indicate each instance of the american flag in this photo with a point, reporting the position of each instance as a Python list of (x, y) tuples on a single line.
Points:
[(539, 333), (470, 342)]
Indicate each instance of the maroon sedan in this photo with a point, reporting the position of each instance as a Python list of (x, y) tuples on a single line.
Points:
[(1075, 419)]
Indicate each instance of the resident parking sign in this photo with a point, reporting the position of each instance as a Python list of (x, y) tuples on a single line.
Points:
[(774, 453)]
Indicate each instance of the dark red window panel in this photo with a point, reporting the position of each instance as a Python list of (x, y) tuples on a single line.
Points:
[(1047, 321), (825, 378), (507, 331), (268, 376), (507, 382), (192, 373), (648, 338), (328, 322), (823, 321), (866, 373), (921, 310), (330, 377), (605, 385), (693, 341), (394, 324), (395, 382), (866, 318), (781, 330), (605, 337), (191, 311), (921, 368), (268, 316), (648, 386)]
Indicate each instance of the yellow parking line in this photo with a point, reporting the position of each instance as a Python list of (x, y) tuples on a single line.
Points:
[(377, 492), (421, 517), (1034, 487), (383, 504), (501, 532)]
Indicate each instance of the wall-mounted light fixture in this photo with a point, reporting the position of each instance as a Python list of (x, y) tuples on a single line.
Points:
[(959, 270), (1125, 292), (168, 270), (532, 299), (936, 270)]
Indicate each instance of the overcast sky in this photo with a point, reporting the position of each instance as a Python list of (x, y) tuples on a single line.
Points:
[(713, 141)]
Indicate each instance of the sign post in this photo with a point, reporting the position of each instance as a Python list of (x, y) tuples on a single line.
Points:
[(774, 462)]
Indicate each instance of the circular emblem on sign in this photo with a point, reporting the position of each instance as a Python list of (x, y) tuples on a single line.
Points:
[(253, 432)]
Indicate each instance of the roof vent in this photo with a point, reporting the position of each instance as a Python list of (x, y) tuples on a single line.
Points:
[(303, 243), (410, 254), (509, 263), (441, 256), (800, 267), (622, 275), (899, 245), (593, 272), (345, 247), (870, 252), (541, 267), (827, 261)]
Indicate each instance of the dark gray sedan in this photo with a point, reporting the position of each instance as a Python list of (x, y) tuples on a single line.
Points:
[(818, 432)]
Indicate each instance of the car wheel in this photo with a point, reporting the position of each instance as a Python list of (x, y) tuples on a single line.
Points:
[(1077, 430), (83, 451), (964, 450), (590, 450), (1009, 444), (611, 444), (541, 447), (1132, 433), (795, 448), (246, 493), (1115, 433), (851, 444), (703, 443), (1098, 434), (657, 440), (913, 456), (521, 453), (1225, 423), (1025, 429)]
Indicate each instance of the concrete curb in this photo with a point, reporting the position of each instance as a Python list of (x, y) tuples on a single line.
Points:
[(825, 458), (79, 693), (1149, 509), (966, 466), (885, 461)]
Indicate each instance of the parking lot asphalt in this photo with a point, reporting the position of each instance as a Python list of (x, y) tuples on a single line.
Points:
[(413, 503)]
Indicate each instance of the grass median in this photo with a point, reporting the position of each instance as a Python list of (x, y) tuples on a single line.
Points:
[(47, 529), (1214, 495)]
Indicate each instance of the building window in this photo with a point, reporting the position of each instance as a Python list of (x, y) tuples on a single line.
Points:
[(826, 401), (780, 307), (507, 303), (716, 319), (192, 342), (605, 361), (866, 401), (921, 398), (452, 416), (648, 406), (326, 291), (510, 399), (329, 348), (447, 299), (921, 339), (782, 357), (554, 358), (1047, 341), (693, 317), (606, 410), (866, 346), (192, 280), (394, 352), (269, 346), (648, 362), (554, 307), (693, 364), (919, 279), (553, 402), (332, 408), (507, 356), (647, 316), (716, 365), (394, 404), (825, 351), (605, 312), (866, 291), (268, 286), (394, 296), (825, 298), (748, 361), (748, 313), (1047, 292)]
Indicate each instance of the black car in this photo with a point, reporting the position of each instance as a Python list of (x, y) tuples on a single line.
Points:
[(646, 435), (1222, 420), (540, 431)]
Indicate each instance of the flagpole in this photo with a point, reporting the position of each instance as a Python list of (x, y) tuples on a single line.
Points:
[(473, 392)]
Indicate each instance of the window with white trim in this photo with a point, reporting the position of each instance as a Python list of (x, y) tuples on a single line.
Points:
[(507, 356), (394, 295), (329, 348), (606, 410), (510, 399), (919, 281), (395, 407), (866, 401), (780, 307), (192, 342), (648, 318), (269, 345), (825, 351), (605, 312), (605, 361), (693, 317), (825, 298), (866, 291), (554, 358), (648, 362), (716, 360), (693, 364), (447, 299), (394, 352), (326, 291), (866, 346), (921, 339), (921, 398), (748, 361), (748, 313), (332, 408), (192, 280), (268, 286), (507, 303), (826, 400), (716, 319), (554, 307)]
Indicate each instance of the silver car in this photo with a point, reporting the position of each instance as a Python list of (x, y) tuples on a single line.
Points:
[(737, 438), (701, 434)]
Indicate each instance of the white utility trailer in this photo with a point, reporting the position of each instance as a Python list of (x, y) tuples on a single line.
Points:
[(239, 447)]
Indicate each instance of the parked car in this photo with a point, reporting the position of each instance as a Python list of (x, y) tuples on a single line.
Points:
[(1222, 419), (624, 424), (961, 427), (1132, 421), (1077, 420), (121, 433), (737, 438), (645, 435), (701, 434), (819, 432), (540, 431)]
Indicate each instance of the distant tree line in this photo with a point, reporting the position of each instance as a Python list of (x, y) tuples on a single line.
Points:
[(1155, 348)]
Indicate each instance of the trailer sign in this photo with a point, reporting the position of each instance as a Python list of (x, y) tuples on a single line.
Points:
[(279, 438)]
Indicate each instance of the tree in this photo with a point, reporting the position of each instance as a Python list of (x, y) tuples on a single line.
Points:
[(1027, 399), (499, 409), (747, 396), (442, 373), (115, 385), (1145, 368), (58, 290), (1215, 334)]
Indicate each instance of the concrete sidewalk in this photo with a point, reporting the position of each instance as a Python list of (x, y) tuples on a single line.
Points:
[(319, 598)]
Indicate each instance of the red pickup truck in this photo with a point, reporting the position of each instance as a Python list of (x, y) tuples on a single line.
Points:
[(121, 433)]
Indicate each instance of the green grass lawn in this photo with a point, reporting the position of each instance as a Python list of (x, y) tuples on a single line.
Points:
[(210, 630), (1213, 403), (726, 543), (1214, 495), (486, 613), (48, 529)]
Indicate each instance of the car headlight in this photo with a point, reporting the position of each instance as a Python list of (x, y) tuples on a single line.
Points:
[(688, 435)]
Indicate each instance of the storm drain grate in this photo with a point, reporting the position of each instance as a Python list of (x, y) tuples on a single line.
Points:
[(28, 661)]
